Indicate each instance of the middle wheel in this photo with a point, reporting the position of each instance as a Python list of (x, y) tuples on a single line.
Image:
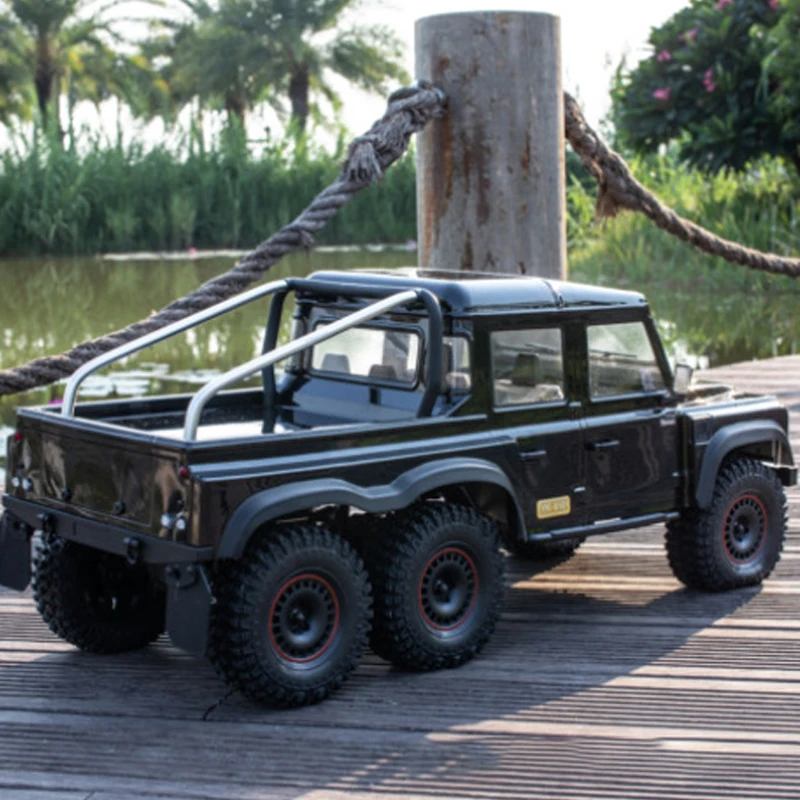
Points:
[(439, 584)]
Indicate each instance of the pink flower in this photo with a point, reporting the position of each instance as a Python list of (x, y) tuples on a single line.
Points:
[(708, 80), (723, 4), (690, 35), (664, 55), (663, 94), (774, 5)]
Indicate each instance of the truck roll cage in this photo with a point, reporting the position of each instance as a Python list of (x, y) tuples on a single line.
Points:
[(271, 353)]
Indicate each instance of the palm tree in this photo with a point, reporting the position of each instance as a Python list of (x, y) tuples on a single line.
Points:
[(243, 52), (62, 45), (16, 99)]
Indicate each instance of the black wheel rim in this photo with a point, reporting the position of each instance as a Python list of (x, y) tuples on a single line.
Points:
[(745, 529), (448, 589), (304, 618)]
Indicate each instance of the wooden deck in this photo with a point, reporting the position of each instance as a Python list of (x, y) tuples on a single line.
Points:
[(605, 679)]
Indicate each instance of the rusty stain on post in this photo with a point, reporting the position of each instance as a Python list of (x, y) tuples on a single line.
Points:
[(491, 173)]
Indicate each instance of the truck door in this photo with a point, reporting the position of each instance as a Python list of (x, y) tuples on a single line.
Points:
[(630, 427), (534, 401)]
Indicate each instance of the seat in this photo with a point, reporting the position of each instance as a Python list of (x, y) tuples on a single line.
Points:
[(383, 372), (525, 384), (457, 382), (335, 362), (527, 370)]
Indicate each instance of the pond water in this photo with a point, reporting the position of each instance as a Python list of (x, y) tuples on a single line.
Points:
[(47, 306)]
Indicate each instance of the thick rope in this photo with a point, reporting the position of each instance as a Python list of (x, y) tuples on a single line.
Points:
[(619, 189), (369, 156)]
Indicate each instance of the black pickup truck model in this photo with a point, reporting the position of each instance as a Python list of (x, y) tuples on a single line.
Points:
[(422, 422)]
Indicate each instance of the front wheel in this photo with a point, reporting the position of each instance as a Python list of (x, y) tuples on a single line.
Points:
[(94, 600), (439, 585), (738, 540), (292, 617)]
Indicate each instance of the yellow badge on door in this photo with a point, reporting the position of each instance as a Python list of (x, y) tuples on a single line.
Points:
[(553, 507)]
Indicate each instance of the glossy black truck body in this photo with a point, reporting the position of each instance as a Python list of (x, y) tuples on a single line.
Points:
[(585, 456)]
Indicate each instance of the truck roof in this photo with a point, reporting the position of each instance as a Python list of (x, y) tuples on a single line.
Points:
[(484, 292)]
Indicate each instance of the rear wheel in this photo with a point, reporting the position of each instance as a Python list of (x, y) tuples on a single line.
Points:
[(292, 617), (738, 540), (440, 582), (94, 600)]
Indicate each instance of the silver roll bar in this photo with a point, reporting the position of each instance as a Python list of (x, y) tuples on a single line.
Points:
[(201, 398), (71, 392)]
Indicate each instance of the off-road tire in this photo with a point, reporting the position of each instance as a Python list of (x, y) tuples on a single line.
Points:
[(292, 617), (557, 551), (94, 600), (432, 542), (738, 540)]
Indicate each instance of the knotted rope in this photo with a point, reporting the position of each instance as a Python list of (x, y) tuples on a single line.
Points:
[(619, 189), (369, 156)]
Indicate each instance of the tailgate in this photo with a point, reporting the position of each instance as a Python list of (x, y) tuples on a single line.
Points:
[(100, 472)]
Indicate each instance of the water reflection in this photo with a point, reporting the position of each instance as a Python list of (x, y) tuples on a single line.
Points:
[(49, 306)]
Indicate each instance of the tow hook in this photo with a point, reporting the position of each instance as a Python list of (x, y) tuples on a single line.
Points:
[(133, 550)]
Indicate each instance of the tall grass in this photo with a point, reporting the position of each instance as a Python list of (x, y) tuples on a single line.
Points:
[(106, 199), (723, 310), (759, 208)]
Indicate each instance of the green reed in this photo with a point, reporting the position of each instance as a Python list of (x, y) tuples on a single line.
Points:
[(110, 198)]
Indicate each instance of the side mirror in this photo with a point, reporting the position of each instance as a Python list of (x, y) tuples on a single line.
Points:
[(682, 378)]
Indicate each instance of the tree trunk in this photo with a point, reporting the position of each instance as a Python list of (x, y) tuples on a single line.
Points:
[(298, 95), (490, 174), (44, 79), (236, 107)]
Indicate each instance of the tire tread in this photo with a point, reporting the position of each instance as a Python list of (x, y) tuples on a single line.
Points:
[(691, 539), (231, 645), (402, 537)]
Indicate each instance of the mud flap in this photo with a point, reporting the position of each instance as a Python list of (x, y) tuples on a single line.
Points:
[(15, 553), (189, 601)]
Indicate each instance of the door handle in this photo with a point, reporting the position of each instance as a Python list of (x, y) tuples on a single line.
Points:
[(605, 444), (533, 455)]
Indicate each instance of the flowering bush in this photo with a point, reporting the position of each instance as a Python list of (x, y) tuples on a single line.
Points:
[(723, 81)]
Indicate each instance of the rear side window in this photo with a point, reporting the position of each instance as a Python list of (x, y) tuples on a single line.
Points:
[(622, 360), (528, 366), (383, 354)]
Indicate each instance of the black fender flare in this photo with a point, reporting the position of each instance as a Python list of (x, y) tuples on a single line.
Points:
[(272, 504), (730, 438)]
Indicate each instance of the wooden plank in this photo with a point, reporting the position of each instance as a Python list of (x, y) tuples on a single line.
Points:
[(605, 679)]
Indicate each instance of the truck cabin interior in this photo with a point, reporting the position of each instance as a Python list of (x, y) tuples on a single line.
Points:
[(375, 372)]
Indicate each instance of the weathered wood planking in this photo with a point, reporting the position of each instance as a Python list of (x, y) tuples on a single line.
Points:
[(605, 680)]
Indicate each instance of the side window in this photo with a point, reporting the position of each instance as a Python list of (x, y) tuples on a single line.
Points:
[(528, 366), (622, 360)]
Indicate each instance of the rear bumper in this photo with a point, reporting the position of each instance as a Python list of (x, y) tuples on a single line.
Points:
[(23, 517)]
